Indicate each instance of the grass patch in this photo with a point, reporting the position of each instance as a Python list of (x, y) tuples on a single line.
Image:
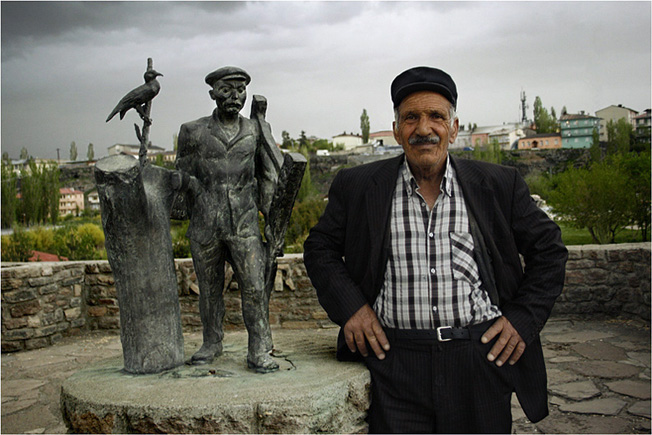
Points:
[(573, 236)]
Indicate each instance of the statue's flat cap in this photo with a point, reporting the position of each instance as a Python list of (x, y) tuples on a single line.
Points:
[(423, 78), (228, 72)]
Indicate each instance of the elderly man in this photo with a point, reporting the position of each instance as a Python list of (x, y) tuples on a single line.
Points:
[(231, 181), (417, 259)]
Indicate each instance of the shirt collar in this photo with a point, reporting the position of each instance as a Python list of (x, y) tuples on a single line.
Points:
[(411, 185)]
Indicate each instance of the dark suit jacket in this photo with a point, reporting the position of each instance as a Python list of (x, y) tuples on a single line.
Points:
[(346, 254)]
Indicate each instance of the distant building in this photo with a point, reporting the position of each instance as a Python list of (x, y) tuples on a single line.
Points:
[(543, 141), (348, 141), (506, 134), (614, 113), (643, 127), (71, 201), (577, 130), (92, 200), (152, 152), (22, 165), (463, 140), (383, 138)]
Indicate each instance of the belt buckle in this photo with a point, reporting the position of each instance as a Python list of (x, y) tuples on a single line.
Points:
[(441, 328)]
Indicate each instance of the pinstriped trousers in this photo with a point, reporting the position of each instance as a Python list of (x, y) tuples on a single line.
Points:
[(431, 387)]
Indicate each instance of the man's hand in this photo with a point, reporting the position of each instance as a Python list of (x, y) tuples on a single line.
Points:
[(509, 345), (364, 324)]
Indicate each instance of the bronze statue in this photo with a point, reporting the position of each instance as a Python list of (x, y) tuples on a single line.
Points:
[(138, 97), (231, 168)]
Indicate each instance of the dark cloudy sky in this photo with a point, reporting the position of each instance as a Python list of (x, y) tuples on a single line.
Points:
[(66, 64)]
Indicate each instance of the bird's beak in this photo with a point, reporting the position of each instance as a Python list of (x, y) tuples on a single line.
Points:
[(159, 74)]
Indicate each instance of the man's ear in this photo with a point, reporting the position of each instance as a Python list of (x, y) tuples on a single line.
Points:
[(454, 130), (395, 132), (211, 94)]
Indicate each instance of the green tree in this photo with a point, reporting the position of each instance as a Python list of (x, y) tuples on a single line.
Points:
[(620, 135), (91, 153), (287, 142), (304, 144), (544, 121), (39, 189), (364, 126), (637, 167), (8, 192), (593, 198), (73, 151), (5, 157), (24, 155), (489, 152), (596, 150)]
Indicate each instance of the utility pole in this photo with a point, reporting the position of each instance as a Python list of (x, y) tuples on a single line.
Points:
[(58, 160), (524, 107)]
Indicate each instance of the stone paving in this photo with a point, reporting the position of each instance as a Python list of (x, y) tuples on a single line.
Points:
[(598, 378)]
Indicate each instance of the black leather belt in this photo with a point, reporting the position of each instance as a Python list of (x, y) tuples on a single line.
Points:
[(441, 334)]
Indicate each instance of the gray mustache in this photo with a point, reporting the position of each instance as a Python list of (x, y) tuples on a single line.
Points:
[(422, 140)]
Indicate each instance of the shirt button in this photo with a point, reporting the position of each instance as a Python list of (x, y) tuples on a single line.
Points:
[(431, 235), (434, 309), (432, 270)]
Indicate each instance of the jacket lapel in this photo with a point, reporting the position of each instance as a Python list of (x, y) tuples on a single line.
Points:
[(378, 208), (479, 199)]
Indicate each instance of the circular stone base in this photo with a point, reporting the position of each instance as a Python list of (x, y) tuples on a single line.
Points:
[(311, 393)]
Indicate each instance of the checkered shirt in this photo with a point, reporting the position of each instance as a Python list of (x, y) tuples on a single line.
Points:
[(431, 278)]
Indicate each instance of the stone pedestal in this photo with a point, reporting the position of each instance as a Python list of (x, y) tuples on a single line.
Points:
[(311, 393)]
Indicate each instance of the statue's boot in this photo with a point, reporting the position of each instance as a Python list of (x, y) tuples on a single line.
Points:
[(262, 363), (207, 353)]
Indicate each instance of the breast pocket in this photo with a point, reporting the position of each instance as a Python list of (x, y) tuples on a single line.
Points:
[(463, 263)]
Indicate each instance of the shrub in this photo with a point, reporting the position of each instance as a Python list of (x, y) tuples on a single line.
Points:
[(16, 247), (85, 242), (596, 199)]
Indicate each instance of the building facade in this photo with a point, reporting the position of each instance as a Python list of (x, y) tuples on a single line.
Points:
[(577, 130), (347, 141), (614, 113), (71, 201), (643, 125), (543, 141)]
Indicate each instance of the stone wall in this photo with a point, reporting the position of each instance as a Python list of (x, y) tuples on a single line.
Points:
[(607, 279), (43, 301)]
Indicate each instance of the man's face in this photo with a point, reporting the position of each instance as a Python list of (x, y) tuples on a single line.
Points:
[(230, 95), (424, 130)]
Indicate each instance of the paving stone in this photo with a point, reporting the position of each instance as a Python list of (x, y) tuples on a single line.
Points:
[(576, 424), (638, 389), (581, 390), (642, 357), (18, 405), (605, 369), (556, 400), (557, 376), (563, 359), (557, 326), (578, 336), (596, 350), (608, 406), (641, 409), (18, 387)]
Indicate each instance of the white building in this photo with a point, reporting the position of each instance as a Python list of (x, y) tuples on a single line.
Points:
[(348, 141)]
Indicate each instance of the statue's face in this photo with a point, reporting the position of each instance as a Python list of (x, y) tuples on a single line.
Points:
[(230, 95)]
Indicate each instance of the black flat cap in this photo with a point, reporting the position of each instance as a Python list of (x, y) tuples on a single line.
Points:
[(423, 78), (228, 72)]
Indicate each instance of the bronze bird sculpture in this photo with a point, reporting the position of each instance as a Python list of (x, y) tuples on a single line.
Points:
[(138, 97)]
